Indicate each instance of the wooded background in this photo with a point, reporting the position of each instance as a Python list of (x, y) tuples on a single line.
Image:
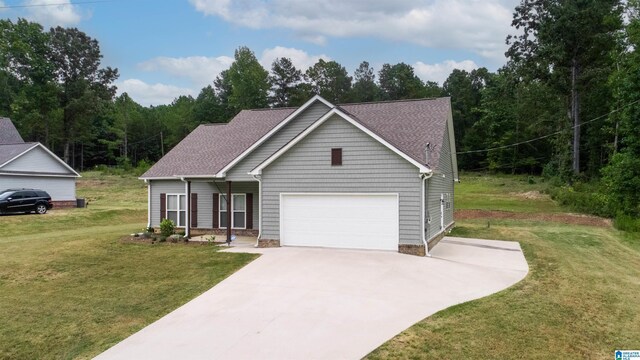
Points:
[(565, 104)]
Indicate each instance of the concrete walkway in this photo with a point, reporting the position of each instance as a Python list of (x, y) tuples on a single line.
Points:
[(312, 303)]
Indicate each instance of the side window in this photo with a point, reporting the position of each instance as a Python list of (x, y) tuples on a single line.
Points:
[(17, 195), (336, 157), (30, 194)]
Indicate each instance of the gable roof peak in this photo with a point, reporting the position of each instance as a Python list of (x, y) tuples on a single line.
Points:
[(8, 132)]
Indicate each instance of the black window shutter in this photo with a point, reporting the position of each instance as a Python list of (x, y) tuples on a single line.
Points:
[(216, 209), (194, 210), (163, 206)]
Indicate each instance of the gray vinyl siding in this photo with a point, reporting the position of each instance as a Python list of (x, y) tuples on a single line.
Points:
[(59, 188), (240, 171), (367, 167), (205, 191), (440, 183), (37, 160)]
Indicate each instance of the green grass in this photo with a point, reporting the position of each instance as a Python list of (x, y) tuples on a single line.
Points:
[(503, 192), (579, 300), (70, 289)]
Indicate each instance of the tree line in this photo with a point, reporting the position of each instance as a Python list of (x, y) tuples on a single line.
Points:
[(565, 104)]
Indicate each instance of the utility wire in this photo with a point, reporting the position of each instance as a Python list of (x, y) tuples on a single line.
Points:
[(53, 4), (548, 135)]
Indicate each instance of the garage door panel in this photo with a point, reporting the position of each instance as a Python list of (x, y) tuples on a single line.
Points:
[(359, 221)]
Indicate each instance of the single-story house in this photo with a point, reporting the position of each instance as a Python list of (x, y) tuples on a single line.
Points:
[(32, 165), (364, 176)]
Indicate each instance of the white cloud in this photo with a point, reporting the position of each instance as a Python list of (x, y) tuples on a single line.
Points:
[(300, 58), (1, 5), (476, 25), (440, 71), (53, 12), (152, 94), (200, 70)]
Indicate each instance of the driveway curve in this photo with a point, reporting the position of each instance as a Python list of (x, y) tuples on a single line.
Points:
[(313, 303)]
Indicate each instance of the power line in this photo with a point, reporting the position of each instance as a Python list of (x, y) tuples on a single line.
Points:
[(53, 4), (548, 135)]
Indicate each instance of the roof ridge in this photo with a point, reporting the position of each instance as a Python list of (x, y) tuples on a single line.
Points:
[(394, 101)]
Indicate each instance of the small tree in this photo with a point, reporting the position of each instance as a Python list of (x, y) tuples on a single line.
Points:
[(167, 227)]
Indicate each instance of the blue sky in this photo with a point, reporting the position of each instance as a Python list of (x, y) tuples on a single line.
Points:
[(167, 48)]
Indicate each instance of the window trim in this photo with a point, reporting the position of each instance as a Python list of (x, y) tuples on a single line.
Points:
[(220, 196), (178, 210)]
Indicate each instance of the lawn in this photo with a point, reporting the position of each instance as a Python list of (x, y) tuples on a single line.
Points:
[(69, 288), (579, 300)]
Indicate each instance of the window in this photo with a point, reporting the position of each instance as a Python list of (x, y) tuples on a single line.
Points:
[(336, 157), (447, 201), (238, 211), (177, 209)]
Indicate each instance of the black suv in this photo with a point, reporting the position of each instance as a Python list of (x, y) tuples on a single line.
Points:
[(24, 201)]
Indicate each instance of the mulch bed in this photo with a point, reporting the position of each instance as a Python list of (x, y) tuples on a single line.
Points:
[(564, 218), (142, 240)]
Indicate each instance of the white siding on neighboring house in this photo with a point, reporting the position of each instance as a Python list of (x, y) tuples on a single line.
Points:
[(60, 188), (37, 160), (367, 167)]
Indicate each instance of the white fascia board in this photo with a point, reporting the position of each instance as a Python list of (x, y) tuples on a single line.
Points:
[(158, 178), (75, 174), (334, 111), (178, 177), (38, 175), (223, 171), (59, 160)]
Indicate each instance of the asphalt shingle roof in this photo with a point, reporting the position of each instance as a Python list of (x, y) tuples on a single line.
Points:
[(8, 132), (408, 125), (9, 151)]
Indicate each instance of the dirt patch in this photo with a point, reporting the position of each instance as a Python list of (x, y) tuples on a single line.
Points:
[(530, 195), (564, 218)]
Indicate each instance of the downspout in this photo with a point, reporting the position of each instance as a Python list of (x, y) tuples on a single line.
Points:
[(424, 178), (187, 218), (148, 203), (259, 180)]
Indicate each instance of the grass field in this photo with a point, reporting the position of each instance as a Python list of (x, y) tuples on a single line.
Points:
[(580, 299), (70, 289)]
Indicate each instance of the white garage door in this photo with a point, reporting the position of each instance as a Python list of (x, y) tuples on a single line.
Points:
[(353, 221)]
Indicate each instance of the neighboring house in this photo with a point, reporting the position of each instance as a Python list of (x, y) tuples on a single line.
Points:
[(32, 165), (365, 176)]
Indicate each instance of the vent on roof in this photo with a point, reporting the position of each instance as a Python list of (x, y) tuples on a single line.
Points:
[(427, 150)]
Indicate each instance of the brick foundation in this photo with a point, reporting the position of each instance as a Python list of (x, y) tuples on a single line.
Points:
[(268, 243), (417, 250), (64, 204)]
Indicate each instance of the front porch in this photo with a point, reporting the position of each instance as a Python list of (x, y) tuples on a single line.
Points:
[(205, 205)]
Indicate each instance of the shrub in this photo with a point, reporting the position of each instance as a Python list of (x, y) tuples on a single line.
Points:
[(627, 223), (150, 229), (167, 227)]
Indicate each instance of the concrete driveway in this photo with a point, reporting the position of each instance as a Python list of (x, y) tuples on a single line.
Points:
[(311, 303)]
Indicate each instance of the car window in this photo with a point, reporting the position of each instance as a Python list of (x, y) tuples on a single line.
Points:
[(5, 195), (29, 194), (17, 195), (42, 193)]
